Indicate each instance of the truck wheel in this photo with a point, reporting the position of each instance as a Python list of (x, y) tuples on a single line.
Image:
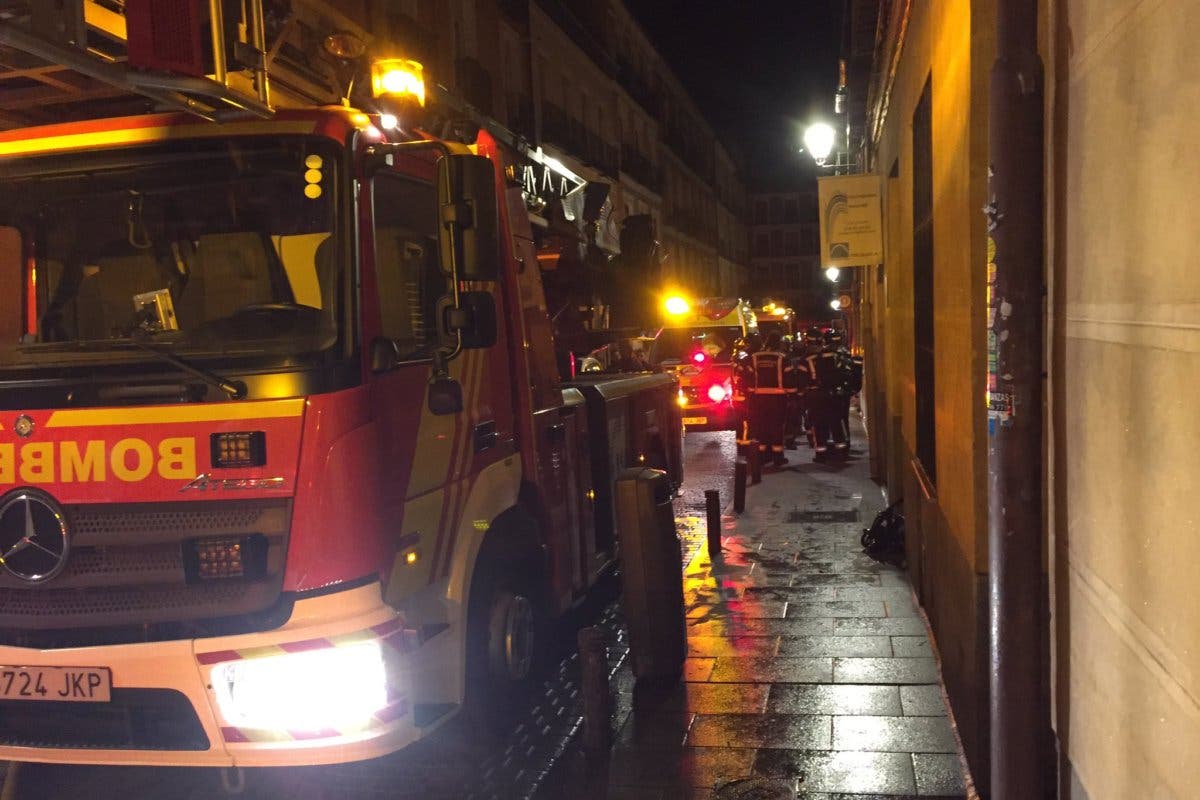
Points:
[(504, 639), (511, 636)]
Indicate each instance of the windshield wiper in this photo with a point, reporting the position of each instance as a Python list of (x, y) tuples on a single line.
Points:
[(234, 388)]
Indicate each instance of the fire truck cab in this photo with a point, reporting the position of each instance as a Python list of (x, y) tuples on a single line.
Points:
[(287, 470), (697, 342)]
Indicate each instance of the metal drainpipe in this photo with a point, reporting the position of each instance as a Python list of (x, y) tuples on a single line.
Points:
[(1019, 711)]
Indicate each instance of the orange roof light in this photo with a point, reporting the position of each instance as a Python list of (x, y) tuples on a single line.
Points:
[(398, 78), (677, 306)]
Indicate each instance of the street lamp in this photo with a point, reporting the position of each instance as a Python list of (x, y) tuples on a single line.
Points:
[(832, 273), (818, 140), (835, 304)]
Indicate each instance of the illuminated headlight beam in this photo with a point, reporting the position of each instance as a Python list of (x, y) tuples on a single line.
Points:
[(315, 690)]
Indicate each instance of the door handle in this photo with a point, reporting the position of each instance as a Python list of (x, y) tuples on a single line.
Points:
[(486, 436)]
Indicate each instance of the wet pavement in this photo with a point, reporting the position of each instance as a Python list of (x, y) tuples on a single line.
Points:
[(809, 671)]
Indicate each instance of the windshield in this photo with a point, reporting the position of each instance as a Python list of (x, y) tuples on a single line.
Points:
[(208, 247), (680, 344)]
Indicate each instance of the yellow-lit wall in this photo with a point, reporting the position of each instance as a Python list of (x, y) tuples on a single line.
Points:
[(948, 43), (1125, 379)]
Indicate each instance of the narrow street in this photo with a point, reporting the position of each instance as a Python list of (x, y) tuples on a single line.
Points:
[(454, 763)]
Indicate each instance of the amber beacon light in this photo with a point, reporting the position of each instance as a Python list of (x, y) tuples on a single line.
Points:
[(398, 78)]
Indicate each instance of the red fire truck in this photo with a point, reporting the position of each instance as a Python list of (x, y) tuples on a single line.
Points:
[(287, 472)]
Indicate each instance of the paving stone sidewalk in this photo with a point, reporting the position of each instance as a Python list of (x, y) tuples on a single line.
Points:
[(808, 665)]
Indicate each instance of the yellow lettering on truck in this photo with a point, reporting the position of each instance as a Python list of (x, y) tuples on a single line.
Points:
[(93, 461), (37, 462), (143, 460), (83, 467), (177, 458)]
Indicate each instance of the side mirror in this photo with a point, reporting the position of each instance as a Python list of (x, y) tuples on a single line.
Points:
[(384, 353), (470, 218), (445, 396)]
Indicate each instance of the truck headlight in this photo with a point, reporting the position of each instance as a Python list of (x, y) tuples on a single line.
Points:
[(312, 690)]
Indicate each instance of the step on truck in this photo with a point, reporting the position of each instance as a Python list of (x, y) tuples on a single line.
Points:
[(287, 471)]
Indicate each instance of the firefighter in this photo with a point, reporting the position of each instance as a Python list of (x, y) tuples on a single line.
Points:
[(768, 400), (828, 376), (743, 378), (798, 381)]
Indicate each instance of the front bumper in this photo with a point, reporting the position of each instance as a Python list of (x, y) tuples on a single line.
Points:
[(163, 692)]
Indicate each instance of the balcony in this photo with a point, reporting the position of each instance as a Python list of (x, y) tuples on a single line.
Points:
[(600, 154), (640, 168), (642, 94), (520, 115), (474, 83), (558, 128)]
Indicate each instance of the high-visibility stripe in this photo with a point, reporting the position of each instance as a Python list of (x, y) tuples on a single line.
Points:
[(475, 389), (129, 136), (392, 633), (215, 412)]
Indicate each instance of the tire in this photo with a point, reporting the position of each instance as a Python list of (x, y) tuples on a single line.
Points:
[(505, 630)]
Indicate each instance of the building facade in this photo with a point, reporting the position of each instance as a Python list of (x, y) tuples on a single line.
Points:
[(785, 252), (1122, 352), (583, 82)]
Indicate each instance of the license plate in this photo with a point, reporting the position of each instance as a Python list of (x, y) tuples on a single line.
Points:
[(73, 684), (695, 420)]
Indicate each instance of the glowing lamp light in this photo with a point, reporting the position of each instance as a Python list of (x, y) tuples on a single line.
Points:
[(398, 78), (294, 692), (681, 398), (699, 357), (818, 140), (832, 273), (677, 306), (716, 393), (778, 312), (388, 122), (835, 304)]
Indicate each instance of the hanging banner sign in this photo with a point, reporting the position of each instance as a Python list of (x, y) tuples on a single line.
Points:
[(851, 222)]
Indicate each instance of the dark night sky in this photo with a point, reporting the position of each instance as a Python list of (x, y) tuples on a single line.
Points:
[(759, 70)]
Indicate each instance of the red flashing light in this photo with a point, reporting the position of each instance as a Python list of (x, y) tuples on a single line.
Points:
[(716, 393), (699, 357)]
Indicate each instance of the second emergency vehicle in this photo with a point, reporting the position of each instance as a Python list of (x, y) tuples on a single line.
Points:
[(698, 341)]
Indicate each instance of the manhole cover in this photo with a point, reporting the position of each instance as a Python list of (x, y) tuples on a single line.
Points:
[(823, 516), (755, 789)]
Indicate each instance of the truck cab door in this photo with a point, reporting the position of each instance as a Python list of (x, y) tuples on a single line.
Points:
[(429, 459)]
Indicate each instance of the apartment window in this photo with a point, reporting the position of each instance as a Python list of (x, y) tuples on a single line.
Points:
[(791, 211), (776, 243), (791, 244), (792, 274), (776, 211), (923, 291), (808, 240)]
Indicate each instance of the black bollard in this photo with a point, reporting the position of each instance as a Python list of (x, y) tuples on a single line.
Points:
[(597, 700), (712, 505), (755, 463), (739, 485)]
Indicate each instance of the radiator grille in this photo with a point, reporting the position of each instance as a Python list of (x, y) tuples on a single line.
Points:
[(126, 567)]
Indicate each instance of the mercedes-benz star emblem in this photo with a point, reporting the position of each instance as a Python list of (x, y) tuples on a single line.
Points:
[(33, 536), (23, 426)]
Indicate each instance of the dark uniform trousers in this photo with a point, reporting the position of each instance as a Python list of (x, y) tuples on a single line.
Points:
[(826, 400), (767, 400)]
